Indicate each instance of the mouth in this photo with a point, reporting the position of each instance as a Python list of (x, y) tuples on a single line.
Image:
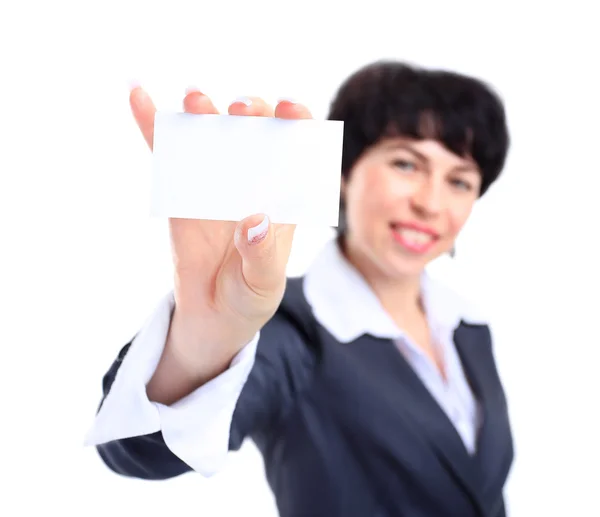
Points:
[(416, 239)]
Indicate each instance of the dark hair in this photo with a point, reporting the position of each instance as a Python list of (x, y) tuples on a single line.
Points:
[(387, 99)]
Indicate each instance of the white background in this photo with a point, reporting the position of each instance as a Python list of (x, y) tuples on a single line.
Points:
[(82, 264)]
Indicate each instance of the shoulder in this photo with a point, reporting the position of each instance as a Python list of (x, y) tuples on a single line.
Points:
[(285, 360), (295, 309), (288, 336)]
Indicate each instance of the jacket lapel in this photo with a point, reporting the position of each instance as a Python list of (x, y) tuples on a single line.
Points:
[(494, 444), (414, 400)]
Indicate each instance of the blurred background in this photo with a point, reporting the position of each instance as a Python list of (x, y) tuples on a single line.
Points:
[(83, 265)]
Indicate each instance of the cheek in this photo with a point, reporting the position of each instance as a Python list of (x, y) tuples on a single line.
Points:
[(458, 216), (382, 193), (369, 191)]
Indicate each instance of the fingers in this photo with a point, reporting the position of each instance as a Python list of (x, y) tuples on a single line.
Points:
[(257, 107), (250, 106), (196, 102), (143, 111), (289, 109), (265, 250)]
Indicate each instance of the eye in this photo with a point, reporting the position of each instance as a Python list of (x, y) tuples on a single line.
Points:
[(405, 165), (461, 185)]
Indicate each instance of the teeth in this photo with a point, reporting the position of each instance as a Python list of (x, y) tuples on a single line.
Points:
[(415, 237)]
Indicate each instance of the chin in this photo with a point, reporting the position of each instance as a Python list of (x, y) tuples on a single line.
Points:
[(402, 263), (399, 267)]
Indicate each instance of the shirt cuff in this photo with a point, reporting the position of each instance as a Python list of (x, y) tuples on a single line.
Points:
[(195, 428)]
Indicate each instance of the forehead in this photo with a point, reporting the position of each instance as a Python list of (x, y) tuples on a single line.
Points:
[(428, 150)]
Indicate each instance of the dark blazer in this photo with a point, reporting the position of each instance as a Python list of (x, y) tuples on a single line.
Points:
[(349, 430)]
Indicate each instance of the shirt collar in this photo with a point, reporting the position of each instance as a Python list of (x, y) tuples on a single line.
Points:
[(343, 302)]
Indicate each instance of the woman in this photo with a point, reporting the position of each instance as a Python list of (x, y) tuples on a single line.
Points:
[(370, 389)]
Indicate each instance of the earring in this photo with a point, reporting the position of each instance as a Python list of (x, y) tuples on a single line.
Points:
[(452, 252)]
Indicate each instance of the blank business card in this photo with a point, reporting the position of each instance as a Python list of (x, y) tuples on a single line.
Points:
[(225, 167)]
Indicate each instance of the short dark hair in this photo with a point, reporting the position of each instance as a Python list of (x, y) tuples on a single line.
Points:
[(389, 98)]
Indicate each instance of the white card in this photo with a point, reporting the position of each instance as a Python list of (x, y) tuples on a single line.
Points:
[(226, 168)]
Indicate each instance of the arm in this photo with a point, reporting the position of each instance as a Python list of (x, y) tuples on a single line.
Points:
[(229, 279), (149, 440)]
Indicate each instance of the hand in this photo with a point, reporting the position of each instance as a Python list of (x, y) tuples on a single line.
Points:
[(230, 276)]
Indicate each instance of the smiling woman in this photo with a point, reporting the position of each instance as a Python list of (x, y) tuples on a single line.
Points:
[(369, 388)]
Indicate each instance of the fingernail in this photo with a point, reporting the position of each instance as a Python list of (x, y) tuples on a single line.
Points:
[(133, 84), (244, 100), (258, 233), (192, 89), (287, 99)]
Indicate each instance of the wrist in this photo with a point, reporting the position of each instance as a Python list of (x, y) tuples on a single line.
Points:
[(198, 342)]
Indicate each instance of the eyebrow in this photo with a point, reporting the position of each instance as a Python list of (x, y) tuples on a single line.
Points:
[(466, 168), (406, 147)]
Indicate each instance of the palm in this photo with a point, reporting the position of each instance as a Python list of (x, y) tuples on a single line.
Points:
[(199, 246), (204, 253)]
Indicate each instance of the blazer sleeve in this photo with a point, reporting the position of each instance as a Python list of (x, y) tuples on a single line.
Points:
[(142, 439)]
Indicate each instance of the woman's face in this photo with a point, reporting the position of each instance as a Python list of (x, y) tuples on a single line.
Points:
[(406, 201)]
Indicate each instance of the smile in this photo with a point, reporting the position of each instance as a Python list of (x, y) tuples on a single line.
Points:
[(416, 240)]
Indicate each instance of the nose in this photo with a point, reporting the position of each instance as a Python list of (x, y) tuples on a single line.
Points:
[(428, 198)]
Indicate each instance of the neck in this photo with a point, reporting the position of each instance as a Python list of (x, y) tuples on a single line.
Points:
[(399, 296)]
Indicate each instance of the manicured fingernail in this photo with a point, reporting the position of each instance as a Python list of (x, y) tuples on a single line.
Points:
[(133, 84), (258, 233), (192, 89), (287, 99), (244, 100)]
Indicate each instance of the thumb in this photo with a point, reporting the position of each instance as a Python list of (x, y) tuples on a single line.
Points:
[(263, 263)]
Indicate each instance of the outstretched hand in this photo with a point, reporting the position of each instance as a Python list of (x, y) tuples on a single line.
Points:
[(229, 274)]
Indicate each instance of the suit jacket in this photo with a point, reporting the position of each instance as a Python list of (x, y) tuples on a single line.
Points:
[(351, 431)]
